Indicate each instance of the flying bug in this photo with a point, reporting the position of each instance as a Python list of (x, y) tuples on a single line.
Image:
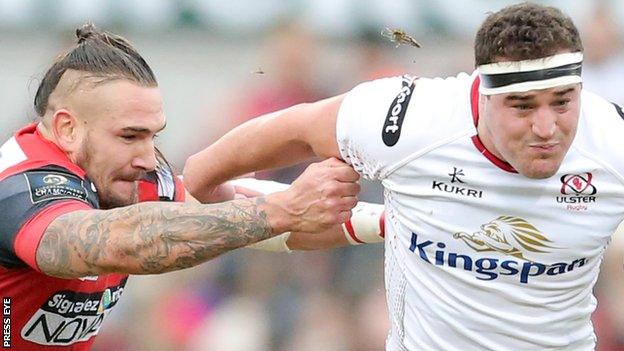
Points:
[(258, 71), (399, 37)]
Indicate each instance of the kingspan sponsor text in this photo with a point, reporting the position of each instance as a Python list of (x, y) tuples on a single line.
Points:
[(488, 268)]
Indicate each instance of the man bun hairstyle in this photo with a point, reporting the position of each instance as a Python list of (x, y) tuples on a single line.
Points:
[(525, 31), (85, 32), (101, 55)]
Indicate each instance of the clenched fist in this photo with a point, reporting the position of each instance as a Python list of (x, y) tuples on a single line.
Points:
[(320, 198)]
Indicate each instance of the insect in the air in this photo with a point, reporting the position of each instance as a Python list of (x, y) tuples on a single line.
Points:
[(258, 71), (399, 37)]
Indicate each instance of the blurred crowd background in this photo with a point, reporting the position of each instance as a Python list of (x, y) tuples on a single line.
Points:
[(220, 63)]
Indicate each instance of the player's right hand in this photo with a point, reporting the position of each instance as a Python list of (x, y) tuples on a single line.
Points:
[(321, 197)]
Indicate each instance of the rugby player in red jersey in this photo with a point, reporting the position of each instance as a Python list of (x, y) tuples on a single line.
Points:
[(71, 230)]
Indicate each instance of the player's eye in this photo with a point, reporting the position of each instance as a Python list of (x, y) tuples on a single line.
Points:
[(563, 102), (129, 137), (522, 107)]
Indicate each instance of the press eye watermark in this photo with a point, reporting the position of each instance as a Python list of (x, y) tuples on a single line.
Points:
[(6, 323)]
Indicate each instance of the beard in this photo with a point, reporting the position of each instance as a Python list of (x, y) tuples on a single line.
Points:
[(107, 196), (109, 200)]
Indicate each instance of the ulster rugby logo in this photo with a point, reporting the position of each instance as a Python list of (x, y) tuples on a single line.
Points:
[(508, 235), (577, 191), (577, 184)]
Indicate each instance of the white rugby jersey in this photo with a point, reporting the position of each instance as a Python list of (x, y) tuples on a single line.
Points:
[(479, 257)]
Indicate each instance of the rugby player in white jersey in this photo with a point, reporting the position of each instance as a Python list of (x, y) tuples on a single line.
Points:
[(502, 187)]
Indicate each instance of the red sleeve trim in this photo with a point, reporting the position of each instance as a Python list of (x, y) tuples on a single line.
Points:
[(351, 232), (28, 238), (382, 225)]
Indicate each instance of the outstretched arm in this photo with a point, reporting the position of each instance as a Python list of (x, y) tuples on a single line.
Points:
[(366, 224), (149, 237), (279, 139), (153, 237)]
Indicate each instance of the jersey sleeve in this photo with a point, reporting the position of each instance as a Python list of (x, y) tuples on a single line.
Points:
[(162, 185), (29, 202), (383, 121), (600, 131)]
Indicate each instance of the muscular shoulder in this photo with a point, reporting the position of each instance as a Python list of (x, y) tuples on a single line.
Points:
[(601, 130), (45, 184), (383, 121), (26, 195)]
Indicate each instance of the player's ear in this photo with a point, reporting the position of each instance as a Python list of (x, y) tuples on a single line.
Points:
[(66, 131)]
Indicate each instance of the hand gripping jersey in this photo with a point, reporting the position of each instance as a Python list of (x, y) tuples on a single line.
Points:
[(479, 257), (38, 183)]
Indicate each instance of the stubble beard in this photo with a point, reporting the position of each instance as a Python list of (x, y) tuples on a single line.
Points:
[(107, 199)]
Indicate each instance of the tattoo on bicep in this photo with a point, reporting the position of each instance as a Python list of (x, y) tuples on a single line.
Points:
[(149, 237), (66, 244)]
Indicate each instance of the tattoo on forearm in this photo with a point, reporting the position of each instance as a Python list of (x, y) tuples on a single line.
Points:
[(149, 238)]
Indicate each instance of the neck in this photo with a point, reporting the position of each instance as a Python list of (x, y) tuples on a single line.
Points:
[(47, 134)]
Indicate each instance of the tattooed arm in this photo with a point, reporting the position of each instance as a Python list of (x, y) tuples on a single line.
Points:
[(156, 237), (148, 238)]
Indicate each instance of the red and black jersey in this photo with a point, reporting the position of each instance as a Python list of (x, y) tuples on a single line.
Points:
[(38, 183)]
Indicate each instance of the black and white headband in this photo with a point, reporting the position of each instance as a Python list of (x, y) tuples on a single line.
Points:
[(522, 76)]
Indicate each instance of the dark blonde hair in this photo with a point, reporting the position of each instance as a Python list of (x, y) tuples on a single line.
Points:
[(101, 54)]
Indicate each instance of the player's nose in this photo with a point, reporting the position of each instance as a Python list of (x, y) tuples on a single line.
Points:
[(544, 123), (145, 161)]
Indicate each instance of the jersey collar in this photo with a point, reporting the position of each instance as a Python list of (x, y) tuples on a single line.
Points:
[(474, 107), (44, 151)]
